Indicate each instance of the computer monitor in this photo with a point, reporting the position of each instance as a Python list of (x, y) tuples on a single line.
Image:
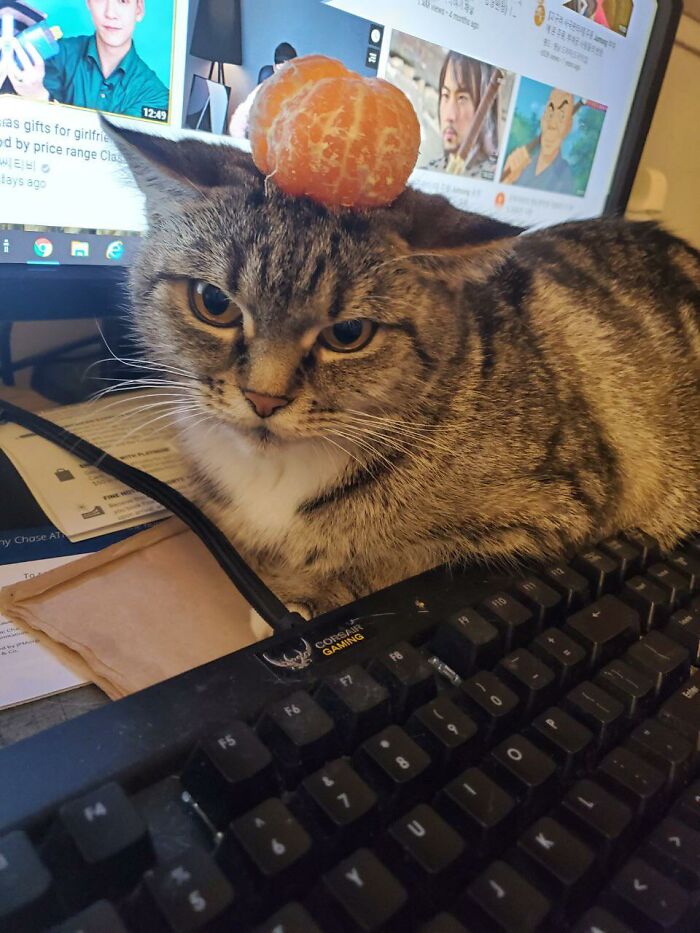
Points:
[(567, 89)]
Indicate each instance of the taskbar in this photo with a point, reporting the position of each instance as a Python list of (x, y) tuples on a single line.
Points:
[(57, 248)]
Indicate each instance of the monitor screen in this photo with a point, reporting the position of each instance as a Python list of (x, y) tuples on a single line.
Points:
[(523, 104)]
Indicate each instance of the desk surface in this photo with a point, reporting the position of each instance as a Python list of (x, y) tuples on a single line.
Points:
[(19, 722)]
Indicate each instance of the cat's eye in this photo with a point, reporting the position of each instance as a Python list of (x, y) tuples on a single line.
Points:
[(213, 306), (348, 336)]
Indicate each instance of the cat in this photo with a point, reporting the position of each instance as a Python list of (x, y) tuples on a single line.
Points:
[(365, 395)]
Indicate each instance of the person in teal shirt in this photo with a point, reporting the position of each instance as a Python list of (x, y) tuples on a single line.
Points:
[(102, 71)]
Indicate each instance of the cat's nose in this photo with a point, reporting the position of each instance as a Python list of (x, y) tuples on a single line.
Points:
[(264, 405)]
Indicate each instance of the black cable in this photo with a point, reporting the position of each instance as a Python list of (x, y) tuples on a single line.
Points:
[(251, 587)]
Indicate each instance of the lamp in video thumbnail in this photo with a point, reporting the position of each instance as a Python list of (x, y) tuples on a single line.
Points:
[(85, 54)]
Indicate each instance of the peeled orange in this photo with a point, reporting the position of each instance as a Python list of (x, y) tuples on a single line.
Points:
[(320, 130)]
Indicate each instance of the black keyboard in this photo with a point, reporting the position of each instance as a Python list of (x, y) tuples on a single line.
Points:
[(458, 752)]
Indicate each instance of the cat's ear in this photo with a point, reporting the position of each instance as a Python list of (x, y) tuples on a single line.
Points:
[(168, 171), (429, 221)]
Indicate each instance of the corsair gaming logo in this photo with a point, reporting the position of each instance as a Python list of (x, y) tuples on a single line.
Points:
[(297, 660)]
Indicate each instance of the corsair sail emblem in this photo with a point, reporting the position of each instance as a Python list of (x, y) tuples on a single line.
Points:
[(293, 661)]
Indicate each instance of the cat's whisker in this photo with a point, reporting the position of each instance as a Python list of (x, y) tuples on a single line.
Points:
[(348, 453), (126, 393), (166, 404), (142, 427), (406, 437), (364, 444), (144, 397), (145, 383), (135, 362)]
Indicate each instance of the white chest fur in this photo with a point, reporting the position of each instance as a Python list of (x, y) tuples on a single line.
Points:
[(266, 487)]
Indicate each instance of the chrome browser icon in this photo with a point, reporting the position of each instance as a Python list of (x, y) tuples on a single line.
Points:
[(115, 250), (43, 247)]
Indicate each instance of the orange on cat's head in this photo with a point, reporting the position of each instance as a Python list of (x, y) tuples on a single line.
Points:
[(320, 130)]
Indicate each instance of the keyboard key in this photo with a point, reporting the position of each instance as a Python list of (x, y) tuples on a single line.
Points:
[(442, 923), (273, 840), (568, 741), (299, 731), (561, 654), (647, 900), (407, 676), (544, 602), (466, 641), (229, 772), (601, 570), (563, 865), (687, 807), (648, 547), (515, 622), (637, 782), (675, 849), (631, 686), (599, 818), (493, 704), (626, 554), (602, 713), (684, 627), (424, 851), (681, 712), (510, 902), (526, 772), (26, 892), (598, 920), (100, 917), (573, 587), (292, 918), (357, 702), (651, 600), (98, 847), (392, 762), (688, 564), (530, 678), (337, 800), (447, 734), (364, 892), (667, 663), (604, 629), (184, 894), (677, 584), (666, 750), (479, 809)]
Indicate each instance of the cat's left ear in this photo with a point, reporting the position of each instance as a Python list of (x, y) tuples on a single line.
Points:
[(431, 222), (168, 171)]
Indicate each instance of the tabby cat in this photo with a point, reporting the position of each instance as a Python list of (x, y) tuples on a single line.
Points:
[(364, 395)]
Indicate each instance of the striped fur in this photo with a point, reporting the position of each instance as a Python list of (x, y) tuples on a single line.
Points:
[(523, 394)]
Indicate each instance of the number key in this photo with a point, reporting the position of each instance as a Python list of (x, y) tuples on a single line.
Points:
[(337, 799), (392, 761), (185, 893), (445, 732)]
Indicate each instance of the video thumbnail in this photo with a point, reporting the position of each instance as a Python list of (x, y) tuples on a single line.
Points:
[(269, 33), (553, 139), (108, 55), (613, 14), (462, 105)]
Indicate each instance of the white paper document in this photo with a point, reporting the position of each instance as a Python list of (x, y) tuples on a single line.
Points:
[(27, 669), (81, 500)]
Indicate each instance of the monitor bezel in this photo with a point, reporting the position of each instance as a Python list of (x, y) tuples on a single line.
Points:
[(73, 292)]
